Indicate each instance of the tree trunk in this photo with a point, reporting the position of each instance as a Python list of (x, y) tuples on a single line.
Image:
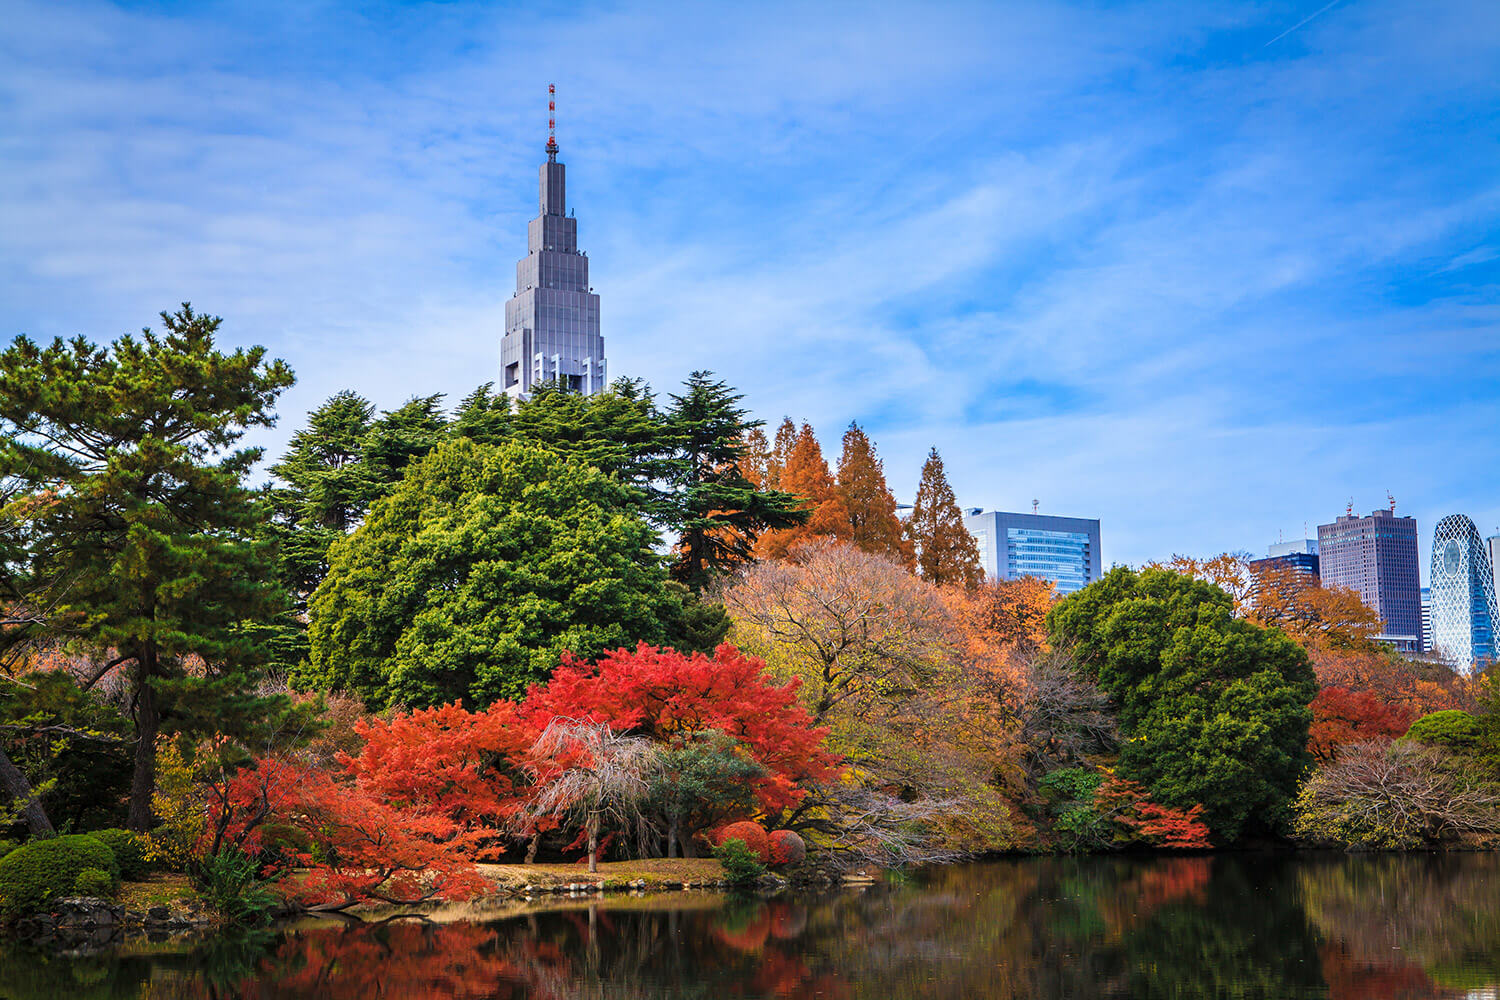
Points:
[(531, 848), (672, 838), (19, 789), (593, 823), (147, 723)]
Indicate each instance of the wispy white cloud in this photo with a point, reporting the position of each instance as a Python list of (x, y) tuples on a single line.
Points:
[(1126, 261)]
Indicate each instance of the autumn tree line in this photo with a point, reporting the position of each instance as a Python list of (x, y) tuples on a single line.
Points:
[(620, 625)]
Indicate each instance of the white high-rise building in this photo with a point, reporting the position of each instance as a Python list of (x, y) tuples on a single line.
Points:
[(552, 322), (1463, 594)]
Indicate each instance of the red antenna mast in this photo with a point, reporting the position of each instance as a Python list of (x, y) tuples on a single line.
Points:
[(552, 121), (1349, 507), (1392, 501)]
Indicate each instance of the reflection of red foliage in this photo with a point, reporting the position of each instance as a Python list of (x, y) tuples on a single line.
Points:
[(1173, 880), (1352, 979), (753, 835), (660, 693), (787, 847), (751, 937), (1342, 717), (1127, 805)]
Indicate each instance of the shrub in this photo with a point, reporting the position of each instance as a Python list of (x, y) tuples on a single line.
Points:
[(6, 846), (1451, 729), (94, 882), (741, 864), (787, 847), (1070, 784), (747, 832), (230, 883), (129, 849), (34, 875)]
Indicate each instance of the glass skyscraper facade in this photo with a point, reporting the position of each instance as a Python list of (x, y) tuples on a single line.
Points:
[(552, 322), (1463, 594), (1376, 557), (1064, 550)]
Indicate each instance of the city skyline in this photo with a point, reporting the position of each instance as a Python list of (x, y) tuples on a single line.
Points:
[(1144, 264)]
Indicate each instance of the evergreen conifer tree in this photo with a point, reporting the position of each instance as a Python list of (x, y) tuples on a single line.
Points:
[(946, 552), (717, 512), (140, 532)]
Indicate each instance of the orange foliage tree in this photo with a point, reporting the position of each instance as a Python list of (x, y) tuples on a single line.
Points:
[(1411, 685), (1311, 613), (806, 475), (873, 524), (1342, 717), (1229, 571), (946, 552)]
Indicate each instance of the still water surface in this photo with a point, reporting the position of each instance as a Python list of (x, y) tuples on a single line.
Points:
[(1369, 927)]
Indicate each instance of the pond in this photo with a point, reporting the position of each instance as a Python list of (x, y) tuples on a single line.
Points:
[(1232, 925)]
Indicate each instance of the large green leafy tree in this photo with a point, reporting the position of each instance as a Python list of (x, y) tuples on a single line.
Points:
[(1213, 709), (717, 513), (483, 566), (141, 538)]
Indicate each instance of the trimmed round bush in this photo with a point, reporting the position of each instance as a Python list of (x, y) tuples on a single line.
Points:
[(787, 847), (34, 875), (6, 846), (1451, 729), (750, 833), (129, 849), (94, 882)]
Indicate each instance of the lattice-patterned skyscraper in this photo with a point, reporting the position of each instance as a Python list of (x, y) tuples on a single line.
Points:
[(1463, 594), (552, 322)]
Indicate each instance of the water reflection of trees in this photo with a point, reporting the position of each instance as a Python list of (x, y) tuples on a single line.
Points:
[(1348, 928), (1432, 921)]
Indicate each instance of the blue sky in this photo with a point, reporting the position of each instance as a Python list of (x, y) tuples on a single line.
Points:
[(1149, 263)]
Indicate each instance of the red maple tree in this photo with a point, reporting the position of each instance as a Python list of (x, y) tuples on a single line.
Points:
[(663, 694), (1342, 717)]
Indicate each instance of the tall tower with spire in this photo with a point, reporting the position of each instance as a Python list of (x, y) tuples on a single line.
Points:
[(552, 322)]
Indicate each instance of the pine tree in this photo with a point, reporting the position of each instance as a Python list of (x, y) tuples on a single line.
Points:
[(806, 475), (873, 523), (137, 519), (717, 512), (946, 552)]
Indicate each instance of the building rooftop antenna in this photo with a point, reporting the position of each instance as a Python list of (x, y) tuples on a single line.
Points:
[(551, 123), (1391, 500), (1034, 505), (1349, 507)]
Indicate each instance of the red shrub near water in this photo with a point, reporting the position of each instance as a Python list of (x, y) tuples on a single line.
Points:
[(787, 847), (752, 834)]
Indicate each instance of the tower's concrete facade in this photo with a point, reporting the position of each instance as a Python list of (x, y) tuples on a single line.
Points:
[(552, 322)]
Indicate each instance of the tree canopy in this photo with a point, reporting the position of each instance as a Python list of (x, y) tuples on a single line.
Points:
[(143, 543), (946, 552), (1214, 709), (483, 566)]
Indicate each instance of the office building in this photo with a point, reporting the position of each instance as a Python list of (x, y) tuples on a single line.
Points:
[(1463, 594), (1299, 561), (1376, 557), (552, 322), (1426, 619), (1064, 550), (1492, 546)]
